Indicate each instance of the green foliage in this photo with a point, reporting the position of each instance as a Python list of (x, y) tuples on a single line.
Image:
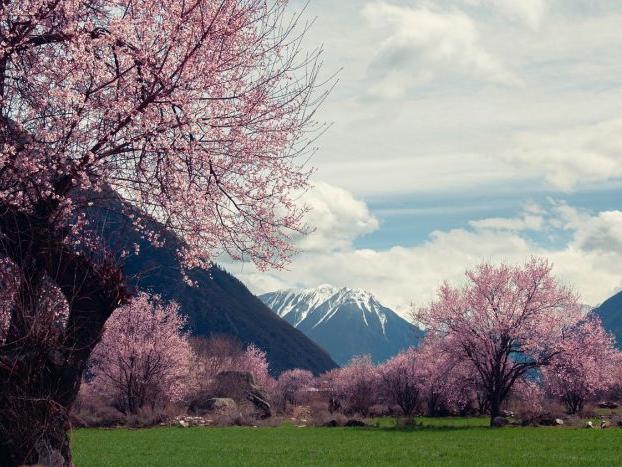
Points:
[(448, 441)]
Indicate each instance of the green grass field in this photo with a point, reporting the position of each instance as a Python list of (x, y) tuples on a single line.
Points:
[(436, 442)]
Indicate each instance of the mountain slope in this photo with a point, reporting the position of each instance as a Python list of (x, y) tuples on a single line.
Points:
[(218, 303), (346, 322), (610, 313)]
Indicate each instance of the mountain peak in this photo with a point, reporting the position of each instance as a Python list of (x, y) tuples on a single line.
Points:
[(337, 317)]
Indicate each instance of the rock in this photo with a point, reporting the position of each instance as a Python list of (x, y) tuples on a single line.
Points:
[(219, 405), (331, 424), (547, 421), (260, 404), (608, 405), (499, 422), (354, 423), (186, 421), (240, 386), (605, 424), (589, 424)]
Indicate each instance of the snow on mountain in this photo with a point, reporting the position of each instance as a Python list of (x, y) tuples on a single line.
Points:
[(346, 322)]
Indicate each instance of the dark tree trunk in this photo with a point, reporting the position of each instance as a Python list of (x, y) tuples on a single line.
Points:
[(574, 403), (495, 402), (34, 415), (41, 370)]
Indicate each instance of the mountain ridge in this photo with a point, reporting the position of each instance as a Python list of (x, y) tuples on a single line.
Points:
[(610, 314), (344, 321), (217, 303)]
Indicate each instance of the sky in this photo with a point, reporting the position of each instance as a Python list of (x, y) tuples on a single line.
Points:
[(463, 131)]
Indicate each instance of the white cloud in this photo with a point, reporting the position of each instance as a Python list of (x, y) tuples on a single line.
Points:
[(420, 37), (431, 173), (529, 220), (426, 117), (573, 156), (411, 121), (396, 82), (600, 234), (337, 217), (591, 260), (400, 276), (529, 12)]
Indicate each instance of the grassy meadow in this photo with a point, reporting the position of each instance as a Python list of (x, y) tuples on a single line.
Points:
[(463, 441)]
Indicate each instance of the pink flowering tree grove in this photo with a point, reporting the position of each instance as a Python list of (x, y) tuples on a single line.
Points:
[(144, 358), (219, 354), (255, 361), (401, 381), (290, 383), (214, 355), (506, 321), (531, 398), (585, 367), (356, 385), (195, 114), (448, 384)]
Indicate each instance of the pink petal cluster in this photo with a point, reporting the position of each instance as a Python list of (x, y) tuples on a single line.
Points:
[(402, 382), (144, 357), (290, 383), (222, 353), (586, 365), (354, 386), (196, 113), (505, 322)]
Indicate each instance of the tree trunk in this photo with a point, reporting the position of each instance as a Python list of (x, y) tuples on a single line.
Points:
[(33, 425), (495, 408), (41, 368), (36, 397)]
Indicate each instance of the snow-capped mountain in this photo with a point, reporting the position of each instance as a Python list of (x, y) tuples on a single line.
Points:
[(345, 322)]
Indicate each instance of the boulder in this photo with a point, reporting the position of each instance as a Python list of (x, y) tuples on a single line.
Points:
[(186, 421), (550, 421), (241, 386), (260, 403), (546, 421), (608, 405), (499, 422), (355, 423), (219, 405)]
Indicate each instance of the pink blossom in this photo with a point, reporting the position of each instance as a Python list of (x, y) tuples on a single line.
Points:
[(401, 381), (291, 382), (355, 386), (198, 114), (144, 357), (585, 367), (506, 321)]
